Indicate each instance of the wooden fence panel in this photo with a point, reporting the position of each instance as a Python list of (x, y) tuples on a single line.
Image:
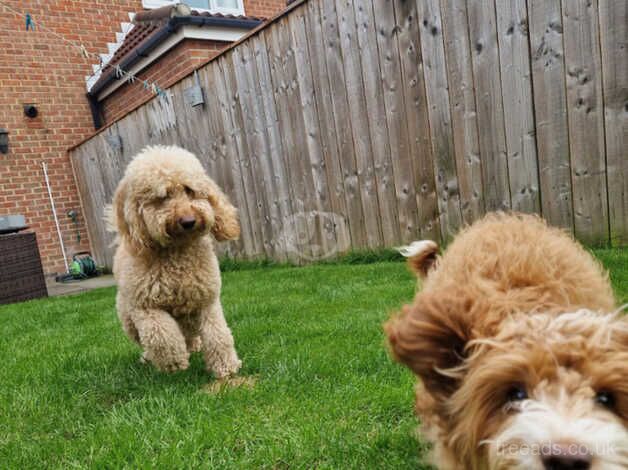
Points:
[(247, 114), (250, 232), (514, 61), (313, 168), (550, 107), (378, 126), (614, 36), (490, 109), (94, 195), (358, 120), (463, 109), (222, 156), (435, 71), (276, 165), (341, 120), (368, 123), (247, 157), (328, 134), (586, 120), (406, 107)]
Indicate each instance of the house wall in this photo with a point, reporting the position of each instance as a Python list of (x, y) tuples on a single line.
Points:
[(170, 68), (37, 67), (263, 8)]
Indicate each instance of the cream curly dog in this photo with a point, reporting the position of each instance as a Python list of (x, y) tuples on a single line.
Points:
[(165, 211), (522, 355)]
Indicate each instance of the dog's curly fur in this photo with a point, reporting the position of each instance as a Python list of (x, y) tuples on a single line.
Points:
[(519, 347), (168, 300)]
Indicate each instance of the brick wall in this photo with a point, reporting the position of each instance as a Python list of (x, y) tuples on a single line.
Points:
[(264, 8), (177, 63), (38, 68)]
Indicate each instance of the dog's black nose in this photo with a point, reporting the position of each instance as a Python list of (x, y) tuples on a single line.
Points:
[(563, 461), (187, 222)]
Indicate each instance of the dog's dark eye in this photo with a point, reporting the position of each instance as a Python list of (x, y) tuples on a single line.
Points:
[(188, 191), (517, 393), (605, 398)]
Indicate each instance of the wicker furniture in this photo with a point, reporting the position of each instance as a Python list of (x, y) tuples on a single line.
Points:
[(21, 274)]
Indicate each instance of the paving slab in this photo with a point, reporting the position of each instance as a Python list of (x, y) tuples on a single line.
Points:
[(76, 287)]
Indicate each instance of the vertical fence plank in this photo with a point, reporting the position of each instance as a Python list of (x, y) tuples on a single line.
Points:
[(514, 60), (216, 155), (342, 118), (435, 71), (250, 236), (614, 35), (254, 132), (223, 159), (359, 124), (278, 167), (287, 96), (133, 137), (376, 112), (488, 93), (247, 156), (325, 114), (401, 152), (463, 113), (315, 167), (586, 120), (413, 95), (110, 154), (90, 184), (550, 108), (404, 100), (161, 119)]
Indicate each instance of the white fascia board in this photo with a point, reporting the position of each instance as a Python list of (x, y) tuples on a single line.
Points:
[(215, 33)]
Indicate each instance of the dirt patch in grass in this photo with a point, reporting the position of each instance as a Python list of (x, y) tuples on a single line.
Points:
[(220, 385)]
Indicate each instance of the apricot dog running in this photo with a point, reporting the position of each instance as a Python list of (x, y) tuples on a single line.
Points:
[(521, 353)]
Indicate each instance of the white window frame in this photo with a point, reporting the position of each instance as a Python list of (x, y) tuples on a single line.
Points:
[(212, 6)]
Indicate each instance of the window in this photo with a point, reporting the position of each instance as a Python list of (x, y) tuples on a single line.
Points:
[(233, 7)]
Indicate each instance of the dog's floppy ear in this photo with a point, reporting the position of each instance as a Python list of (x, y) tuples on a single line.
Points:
[(125, 217), (429, 337), (226, 225)]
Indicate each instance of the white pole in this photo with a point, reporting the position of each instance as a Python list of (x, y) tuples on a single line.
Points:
[(54, 213)]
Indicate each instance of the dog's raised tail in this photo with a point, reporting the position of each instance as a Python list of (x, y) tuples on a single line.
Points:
[(421, 256)]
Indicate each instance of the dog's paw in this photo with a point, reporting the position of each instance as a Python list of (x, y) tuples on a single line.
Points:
[(227, 370)]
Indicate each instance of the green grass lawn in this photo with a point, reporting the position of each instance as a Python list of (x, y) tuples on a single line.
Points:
[(73, 394)]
